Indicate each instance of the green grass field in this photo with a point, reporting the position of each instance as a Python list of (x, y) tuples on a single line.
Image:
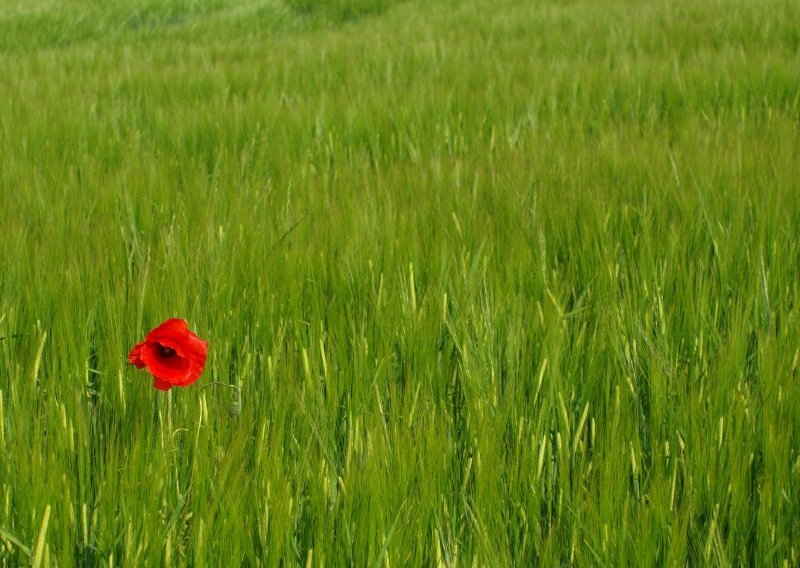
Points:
[(485, 282)]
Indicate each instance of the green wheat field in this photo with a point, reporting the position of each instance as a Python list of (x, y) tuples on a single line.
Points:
[(485, 282)]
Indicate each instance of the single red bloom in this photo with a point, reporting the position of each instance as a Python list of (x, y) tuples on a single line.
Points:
[(174, 355)]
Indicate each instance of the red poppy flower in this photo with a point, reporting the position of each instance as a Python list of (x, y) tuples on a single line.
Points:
[(174, 355)]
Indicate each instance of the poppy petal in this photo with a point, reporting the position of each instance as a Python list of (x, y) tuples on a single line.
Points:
[(135, 356), (199, 351), (161, 385), (173, 328), (194, 350), (173, 369)]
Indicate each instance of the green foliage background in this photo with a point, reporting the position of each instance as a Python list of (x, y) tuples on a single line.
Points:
[(485, 282)]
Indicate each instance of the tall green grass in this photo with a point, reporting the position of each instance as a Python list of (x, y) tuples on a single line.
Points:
[(492, 283)]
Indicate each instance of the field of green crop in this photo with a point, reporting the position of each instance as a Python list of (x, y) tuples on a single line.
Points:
[(485, 282)]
